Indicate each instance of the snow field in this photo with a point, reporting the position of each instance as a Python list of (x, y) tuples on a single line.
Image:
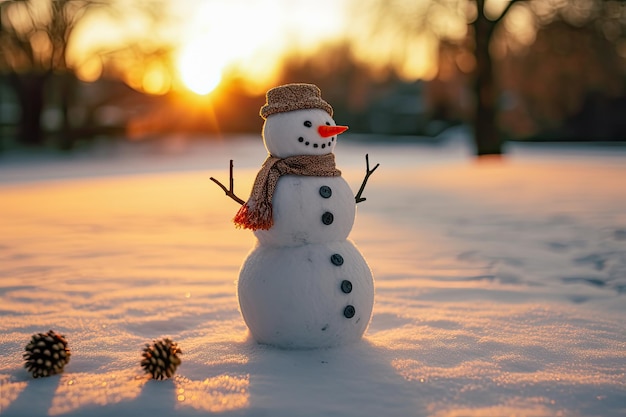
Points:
[(499, 290)]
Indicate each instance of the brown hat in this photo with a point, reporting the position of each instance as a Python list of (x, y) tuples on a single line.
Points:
[(290, 97)]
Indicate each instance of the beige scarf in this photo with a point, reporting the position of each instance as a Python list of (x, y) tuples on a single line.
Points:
[(257, 212)]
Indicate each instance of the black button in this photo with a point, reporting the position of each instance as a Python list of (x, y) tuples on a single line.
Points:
[(346, 286), (336, 259), (325, 191), (349, 311), (327, 218)]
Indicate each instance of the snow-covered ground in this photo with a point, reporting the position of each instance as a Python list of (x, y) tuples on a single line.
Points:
[(500, 287)]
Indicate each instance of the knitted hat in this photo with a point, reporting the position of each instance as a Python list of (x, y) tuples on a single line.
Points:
[(290, 97)]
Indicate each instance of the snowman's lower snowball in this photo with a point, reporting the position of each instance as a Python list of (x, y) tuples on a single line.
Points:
[(285, 304)]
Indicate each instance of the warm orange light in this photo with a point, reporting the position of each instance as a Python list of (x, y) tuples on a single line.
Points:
[(248, 40), (90, 70), (222, 38), (156, 79), (200, 68)]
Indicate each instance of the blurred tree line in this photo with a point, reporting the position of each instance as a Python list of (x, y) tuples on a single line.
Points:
[(42, 98), (545, 69), (34, 44)]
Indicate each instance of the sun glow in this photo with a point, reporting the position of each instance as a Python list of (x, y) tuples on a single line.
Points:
[(248, 40), (223, 37), (198, 68)]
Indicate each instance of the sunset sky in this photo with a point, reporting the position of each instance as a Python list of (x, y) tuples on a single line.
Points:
[(192, 44), (213, 37), (249, 38)]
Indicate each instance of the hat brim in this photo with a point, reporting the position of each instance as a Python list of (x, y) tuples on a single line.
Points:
[(269, 109)]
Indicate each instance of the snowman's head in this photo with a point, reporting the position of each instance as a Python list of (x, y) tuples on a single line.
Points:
[(300, 132), (298, 121)]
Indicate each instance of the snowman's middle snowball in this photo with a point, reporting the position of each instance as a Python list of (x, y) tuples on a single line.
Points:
[(257, 212)]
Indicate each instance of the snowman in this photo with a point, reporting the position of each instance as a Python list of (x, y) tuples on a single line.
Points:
[(304, 284)]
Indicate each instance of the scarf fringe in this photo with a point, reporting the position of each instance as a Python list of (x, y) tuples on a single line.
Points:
[(259, 218)]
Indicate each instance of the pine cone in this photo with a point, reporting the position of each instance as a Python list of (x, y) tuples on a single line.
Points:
[(161, 358), (46, 354)]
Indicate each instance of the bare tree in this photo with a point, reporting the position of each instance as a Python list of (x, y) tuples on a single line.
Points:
[(33, 43), (486, 135), (34, 39), (578, 63), (427, 19), (483, 19)]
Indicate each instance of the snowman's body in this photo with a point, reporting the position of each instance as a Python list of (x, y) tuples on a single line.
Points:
[(304, 284), (299, 204)]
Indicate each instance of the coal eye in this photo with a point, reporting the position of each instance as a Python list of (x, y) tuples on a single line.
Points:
[(327, 123), (308, 124)]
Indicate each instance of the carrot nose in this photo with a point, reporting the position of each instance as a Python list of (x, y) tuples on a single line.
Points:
[(328, 131)]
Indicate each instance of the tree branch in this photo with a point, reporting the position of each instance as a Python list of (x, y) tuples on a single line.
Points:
[(505, 11), (368, 172), (229, 191)]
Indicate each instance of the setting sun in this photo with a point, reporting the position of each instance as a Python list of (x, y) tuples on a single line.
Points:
[(248, 40), (225, 38), (199, 69)]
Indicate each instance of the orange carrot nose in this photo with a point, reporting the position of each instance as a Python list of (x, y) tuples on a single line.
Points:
[(328, 131)]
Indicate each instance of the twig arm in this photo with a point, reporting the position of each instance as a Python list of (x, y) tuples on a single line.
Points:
[(368, 172), (229, 191)]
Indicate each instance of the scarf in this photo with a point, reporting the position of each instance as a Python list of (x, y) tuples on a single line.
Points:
[(257, 212)]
